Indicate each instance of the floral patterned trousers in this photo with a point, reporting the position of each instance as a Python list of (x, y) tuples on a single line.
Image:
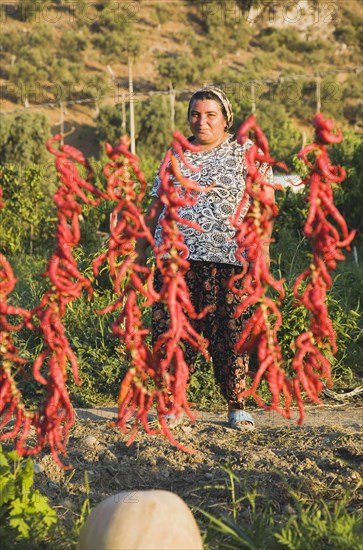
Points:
[(208, 286)]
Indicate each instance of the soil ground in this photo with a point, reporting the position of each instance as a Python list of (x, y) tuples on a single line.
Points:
[(320, 459)]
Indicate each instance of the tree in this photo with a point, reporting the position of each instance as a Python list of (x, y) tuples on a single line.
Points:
[(109, 123), (116, 46), (349, 194), (72, 44), (27, 79), (177, 70), (27, 221), (154, 132), (28, 9), (23, 139), (31, 59)]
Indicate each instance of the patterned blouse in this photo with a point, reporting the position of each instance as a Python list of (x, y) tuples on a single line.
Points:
[(224, 166)]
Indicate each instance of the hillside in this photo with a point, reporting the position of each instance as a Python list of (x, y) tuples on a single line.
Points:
[(75, 53)]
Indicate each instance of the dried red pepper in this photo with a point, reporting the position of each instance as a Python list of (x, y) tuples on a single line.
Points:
[(151, 379), (327, 231), (261, 329), (54, 418), (11, 399)]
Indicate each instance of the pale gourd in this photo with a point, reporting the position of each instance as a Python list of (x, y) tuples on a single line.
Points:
[(147, 520)]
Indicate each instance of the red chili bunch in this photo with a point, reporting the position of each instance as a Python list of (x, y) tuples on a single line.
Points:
[(11, 400), (261, 329), (126, 185), (155, 375), (176, 191), (57, 416), (53, 420), (328, 233)]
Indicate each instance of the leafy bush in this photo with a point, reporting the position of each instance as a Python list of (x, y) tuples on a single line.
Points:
[(154, 123), (22, 139), (163, 13), (25, 514), (177, 70), (270, 38), (28, 9), (349, 194), (27, 221), (71, 44), (109, 124)]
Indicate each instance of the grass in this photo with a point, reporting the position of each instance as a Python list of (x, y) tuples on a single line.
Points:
[(101, 357), (251, 521)]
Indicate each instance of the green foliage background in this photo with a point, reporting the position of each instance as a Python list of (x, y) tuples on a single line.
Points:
[(24, 512), (102, 358)]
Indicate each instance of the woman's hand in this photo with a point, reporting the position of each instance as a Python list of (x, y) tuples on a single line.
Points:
[(141, 255), (151, 220), (265, 252)]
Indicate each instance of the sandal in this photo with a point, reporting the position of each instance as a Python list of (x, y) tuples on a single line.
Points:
[(172, 420), (241, 420)]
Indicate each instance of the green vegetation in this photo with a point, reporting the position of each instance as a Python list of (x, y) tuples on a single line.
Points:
[(24, 512), (305, 526), (22, 140), (28, 522), (63, 48), (29, 224)]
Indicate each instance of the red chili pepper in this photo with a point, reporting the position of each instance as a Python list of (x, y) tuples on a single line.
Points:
[(260, 331), (309, 363)]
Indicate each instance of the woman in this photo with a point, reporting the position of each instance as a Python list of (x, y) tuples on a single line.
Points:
[(212, 251)]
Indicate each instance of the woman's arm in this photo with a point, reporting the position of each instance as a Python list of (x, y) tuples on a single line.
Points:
[(270, 193), (142, 244)]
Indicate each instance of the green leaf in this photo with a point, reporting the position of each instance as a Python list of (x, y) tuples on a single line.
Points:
[(21, 526), (7, 492), (27, 477)]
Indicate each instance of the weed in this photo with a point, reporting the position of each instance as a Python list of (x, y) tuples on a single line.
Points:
[(251, 521)]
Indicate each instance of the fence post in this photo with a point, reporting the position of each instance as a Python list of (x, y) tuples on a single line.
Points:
[(253, 99), (132, 112), (123, 124), (172, 109), (318, 93)]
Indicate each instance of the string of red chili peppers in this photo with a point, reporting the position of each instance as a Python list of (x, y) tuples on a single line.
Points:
[(11, 400), (176, 191), (126, 185), (154, 375), (310, 364), (54, 419), (261, 329)]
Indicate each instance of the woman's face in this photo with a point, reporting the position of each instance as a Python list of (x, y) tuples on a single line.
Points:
[(207, 122)]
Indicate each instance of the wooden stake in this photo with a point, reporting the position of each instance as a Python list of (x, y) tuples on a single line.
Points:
[(172, 109), (132, 112)]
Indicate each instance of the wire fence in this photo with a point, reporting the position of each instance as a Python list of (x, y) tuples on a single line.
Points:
[(250, 90), (122, 94)]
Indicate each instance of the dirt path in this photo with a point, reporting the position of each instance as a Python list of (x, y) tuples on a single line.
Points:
[(319, 459), (327, 415)]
